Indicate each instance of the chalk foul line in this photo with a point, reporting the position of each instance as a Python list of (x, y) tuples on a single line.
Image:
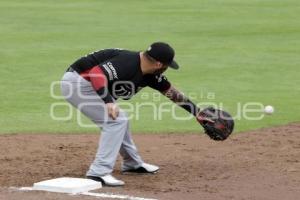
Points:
[(94, 194)]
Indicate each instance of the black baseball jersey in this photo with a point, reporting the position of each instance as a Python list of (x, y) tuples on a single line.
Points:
[(123, 71)]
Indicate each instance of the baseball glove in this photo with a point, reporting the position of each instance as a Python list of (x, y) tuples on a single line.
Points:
[(217, 124)]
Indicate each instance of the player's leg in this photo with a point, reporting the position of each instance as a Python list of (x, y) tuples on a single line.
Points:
[(81, 95), (128, 151), (132, 162), (109, 146)]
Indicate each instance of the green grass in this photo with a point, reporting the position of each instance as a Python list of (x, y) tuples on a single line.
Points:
[(242, 51)]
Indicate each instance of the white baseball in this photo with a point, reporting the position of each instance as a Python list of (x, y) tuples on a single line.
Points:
[(269, 109)]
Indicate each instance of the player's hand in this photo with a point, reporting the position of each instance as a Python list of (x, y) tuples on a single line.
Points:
[(113, 110)]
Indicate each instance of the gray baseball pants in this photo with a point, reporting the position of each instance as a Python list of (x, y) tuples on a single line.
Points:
[(115, 135)]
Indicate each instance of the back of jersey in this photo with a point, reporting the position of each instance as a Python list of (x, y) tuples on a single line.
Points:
[(93, 59)]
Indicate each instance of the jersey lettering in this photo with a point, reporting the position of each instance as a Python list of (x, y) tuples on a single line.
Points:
[(112, 73)]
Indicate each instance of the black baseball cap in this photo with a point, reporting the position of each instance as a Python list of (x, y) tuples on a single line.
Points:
[(163, 53)]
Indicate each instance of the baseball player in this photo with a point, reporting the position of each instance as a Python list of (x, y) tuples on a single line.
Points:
[(94, 82)]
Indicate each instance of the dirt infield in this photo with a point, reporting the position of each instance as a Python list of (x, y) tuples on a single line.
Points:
[(262, 164)]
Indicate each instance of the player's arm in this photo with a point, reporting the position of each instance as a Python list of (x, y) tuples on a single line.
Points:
[(184, 102), (99, 83), (161, 84), (181, 100)]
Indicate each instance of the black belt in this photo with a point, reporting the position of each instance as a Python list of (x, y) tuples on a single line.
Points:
[(70, 69)]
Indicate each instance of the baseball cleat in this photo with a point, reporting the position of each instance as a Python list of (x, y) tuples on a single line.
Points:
[(144, 168), (107, 180)]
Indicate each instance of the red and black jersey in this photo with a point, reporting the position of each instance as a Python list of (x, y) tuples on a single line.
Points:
[(122, 71)]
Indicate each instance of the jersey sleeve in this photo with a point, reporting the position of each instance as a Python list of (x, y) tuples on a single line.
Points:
[(99, 83), (158, 82)]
